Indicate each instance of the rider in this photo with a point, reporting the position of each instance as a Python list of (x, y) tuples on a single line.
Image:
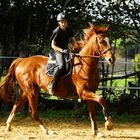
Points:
[(59, 42)]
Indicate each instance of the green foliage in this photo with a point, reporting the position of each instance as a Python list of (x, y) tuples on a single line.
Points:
[(123, 18), (33, 21), (137, 59), (118, 87), (126, 47), (126, 118)]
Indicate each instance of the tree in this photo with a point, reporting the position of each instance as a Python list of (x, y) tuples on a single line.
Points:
[(26, 26), (119, 13), (33, 21), (124, 19)]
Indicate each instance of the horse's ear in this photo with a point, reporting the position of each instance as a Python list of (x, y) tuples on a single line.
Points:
[(107, 28), (89, 24)]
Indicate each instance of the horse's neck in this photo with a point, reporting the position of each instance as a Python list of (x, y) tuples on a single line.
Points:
[(87, 63), (85, 66), (89, 47), (80, 43)]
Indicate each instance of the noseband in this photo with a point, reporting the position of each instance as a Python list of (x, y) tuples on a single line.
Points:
[(98, 46)]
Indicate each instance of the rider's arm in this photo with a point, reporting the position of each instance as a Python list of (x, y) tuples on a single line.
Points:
[(55, 47)]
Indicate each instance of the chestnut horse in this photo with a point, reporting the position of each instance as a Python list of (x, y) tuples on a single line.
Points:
[(81, 83)]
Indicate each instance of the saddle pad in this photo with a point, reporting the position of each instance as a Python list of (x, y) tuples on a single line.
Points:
[(51, 69), (52, 66)]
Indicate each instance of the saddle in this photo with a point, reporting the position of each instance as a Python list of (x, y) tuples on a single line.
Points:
[(52, 65)]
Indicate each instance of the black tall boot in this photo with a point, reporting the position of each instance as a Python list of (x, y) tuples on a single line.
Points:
[(53, 84)]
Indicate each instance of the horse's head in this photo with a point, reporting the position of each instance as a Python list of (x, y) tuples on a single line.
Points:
[(97, 36), (104, 48)]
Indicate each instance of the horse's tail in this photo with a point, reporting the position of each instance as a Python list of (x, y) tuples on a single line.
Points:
[(8, 84)]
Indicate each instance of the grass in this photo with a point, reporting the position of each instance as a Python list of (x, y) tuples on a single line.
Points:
[(127, 118), (71, 114), (67, 115)]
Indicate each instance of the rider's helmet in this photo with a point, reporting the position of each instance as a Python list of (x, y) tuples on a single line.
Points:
[(61, 16)]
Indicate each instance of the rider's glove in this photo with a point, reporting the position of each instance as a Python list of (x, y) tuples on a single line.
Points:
[(65, 51)]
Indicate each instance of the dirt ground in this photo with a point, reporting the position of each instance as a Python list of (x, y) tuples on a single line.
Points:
[(26, 129)]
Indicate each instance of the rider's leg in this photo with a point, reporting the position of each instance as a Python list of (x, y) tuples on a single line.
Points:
[(61, 63)]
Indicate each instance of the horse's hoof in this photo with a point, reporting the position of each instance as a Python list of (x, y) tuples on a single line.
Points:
[(109, 127), (50, 132), (97, 134), (7, 129), (109, 124), (100, 135)]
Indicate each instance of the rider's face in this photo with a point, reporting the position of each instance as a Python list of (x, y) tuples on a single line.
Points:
[(63, 24)]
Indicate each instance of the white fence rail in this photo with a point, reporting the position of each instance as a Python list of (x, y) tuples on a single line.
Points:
[(119, 63)]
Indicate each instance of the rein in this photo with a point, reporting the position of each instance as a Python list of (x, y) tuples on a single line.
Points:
[(77, 54), (100, 53)]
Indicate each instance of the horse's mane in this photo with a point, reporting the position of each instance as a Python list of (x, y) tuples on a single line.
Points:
[(92, 29), (87, 33)]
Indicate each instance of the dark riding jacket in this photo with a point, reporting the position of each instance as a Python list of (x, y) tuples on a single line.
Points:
[(62, 37)]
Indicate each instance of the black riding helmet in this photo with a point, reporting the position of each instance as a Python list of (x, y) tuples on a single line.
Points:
[(62, 16)]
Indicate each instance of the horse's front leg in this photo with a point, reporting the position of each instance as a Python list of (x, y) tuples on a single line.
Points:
[(91, 96), (91, 110)]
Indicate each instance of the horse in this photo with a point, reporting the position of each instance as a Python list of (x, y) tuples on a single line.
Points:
[(82, 83)]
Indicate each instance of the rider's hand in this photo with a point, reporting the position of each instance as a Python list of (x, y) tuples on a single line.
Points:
[(65, 51)]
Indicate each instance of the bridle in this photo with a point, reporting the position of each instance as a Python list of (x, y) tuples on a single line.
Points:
[(98, 46)]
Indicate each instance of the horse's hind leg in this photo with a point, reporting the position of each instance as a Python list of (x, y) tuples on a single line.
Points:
[(33, 103), (19, 102)]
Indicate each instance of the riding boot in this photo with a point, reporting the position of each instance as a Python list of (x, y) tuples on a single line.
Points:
[(53, 84)]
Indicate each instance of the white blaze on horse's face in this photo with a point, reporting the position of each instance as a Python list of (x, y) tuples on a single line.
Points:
[(109, 57), (107, 41)]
